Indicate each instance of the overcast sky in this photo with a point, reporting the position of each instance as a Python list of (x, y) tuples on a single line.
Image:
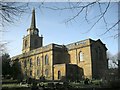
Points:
[(51, 25)]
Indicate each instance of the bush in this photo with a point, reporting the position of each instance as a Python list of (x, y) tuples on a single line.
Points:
[(86, 81), (114, 84)]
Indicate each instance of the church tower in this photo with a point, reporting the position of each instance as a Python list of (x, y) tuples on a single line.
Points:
[(32, 40)]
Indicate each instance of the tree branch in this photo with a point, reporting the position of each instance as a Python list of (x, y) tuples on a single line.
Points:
[(101, 16), (10, 11), (111, 27)]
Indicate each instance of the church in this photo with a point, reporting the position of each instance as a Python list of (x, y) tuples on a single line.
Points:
[(74, 61)]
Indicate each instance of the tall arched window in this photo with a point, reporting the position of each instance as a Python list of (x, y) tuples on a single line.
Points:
[(25, 63), (46, 73), (30, 62), (30, 73), (38, 72), (25, 43), (38, 61), (81, 56), (46, 60), (59, 74)]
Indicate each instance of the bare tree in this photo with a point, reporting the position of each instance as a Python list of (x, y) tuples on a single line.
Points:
[(83, 8), (113, 59), (11, 11), (2, 47), (116, 58)]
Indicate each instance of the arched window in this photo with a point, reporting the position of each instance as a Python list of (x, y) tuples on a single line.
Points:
[(46, 60), (38, 61), (25, 63), (80, 56), (38, 72), (46, 73), (31, 62), (30, 73), (59, 74), (25, 43)]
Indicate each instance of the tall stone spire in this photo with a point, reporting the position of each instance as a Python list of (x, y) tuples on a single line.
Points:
[(32, 40), (33, 23)]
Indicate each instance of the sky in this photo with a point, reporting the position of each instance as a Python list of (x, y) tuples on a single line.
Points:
[(51, 24)]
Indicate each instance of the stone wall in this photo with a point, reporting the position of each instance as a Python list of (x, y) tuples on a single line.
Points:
[(84, 48), (41, 68), (62, 69), (99, 59), (79, 56), (60, 54)]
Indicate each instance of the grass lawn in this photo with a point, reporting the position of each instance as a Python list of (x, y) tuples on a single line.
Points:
[(13, 85), (82, 85)]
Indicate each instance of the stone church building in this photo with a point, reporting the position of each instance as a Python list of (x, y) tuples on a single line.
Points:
[(75, 61)]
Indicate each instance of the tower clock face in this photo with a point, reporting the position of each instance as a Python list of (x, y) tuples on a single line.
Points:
[(35, 32)]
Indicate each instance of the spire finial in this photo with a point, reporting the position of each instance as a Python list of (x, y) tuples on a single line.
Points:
[(33, 24)]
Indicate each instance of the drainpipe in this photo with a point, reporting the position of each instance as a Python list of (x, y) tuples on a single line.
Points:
[(42, 63), (52, 62)]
